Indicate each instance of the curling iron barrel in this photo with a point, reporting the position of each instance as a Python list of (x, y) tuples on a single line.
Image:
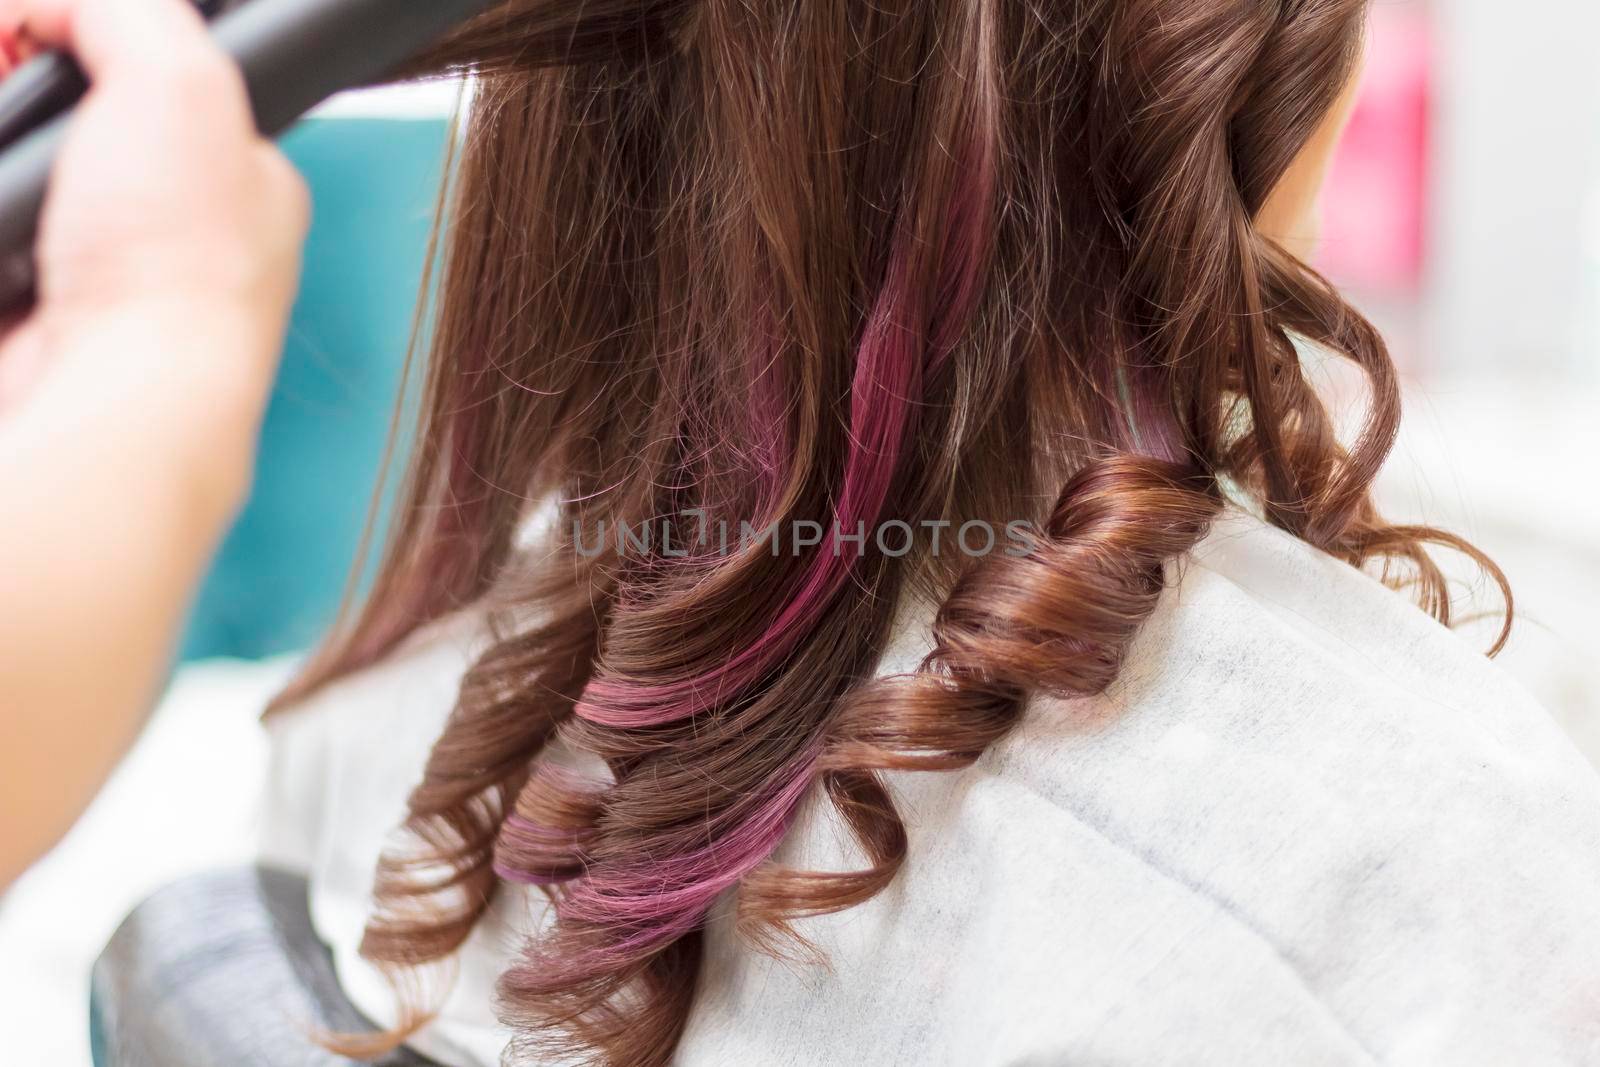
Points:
[(294, 55)]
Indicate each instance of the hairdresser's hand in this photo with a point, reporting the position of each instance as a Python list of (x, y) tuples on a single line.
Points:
[(169, 222), (130, 398)]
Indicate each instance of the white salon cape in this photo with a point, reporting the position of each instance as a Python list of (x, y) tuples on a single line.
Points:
[(1307, 826)]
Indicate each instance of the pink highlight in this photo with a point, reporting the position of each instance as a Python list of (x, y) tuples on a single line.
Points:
[(530, 854), (888, 378), (654, 905), (531, 851), (899, 338)]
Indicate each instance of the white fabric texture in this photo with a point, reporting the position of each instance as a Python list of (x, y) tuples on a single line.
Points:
[(1308, 825)]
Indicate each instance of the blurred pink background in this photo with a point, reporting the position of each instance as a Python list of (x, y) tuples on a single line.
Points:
[(1374, 210)]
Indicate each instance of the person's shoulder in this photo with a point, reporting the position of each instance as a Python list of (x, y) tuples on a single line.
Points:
[(1328, 769), (419, 675), (1301, 760), (360, 740), (1268, 649), (1283, 709)]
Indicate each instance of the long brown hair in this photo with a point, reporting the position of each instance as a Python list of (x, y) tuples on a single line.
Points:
[(846, 263)]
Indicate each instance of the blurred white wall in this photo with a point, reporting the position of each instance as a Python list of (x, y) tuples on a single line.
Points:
[(1511, 281), (1500, 349)]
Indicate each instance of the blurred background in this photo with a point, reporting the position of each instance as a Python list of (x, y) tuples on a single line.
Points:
[(1463, 215)]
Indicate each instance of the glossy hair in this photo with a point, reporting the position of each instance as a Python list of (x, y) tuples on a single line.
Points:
[(841, 262)]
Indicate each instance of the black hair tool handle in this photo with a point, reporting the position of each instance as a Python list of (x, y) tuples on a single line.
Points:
[(37, 92), (44, 87), (294, 55)]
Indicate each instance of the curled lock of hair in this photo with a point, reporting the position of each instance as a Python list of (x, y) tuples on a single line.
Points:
[(827, 265)]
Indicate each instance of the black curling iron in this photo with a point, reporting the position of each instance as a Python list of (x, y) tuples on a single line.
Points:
[(294, 55), (43, 88)]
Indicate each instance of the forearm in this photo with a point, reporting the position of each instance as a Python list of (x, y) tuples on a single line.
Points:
[(105, 545)]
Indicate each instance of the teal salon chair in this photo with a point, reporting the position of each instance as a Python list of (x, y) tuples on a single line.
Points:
[(281, 572)]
